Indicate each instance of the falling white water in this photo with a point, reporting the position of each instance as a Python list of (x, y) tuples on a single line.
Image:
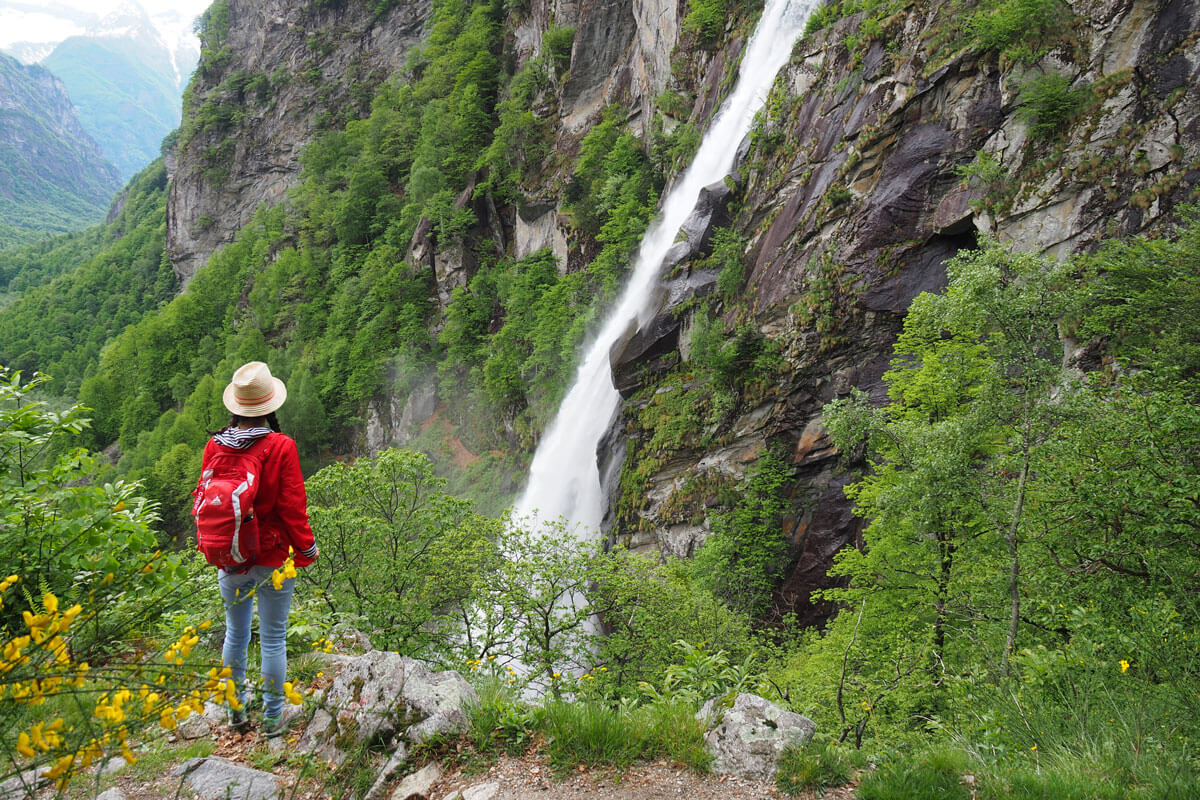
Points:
[(564, 479)]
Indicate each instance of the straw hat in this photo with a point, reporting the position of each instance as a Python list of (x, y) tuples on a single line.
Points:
[(254, 392)]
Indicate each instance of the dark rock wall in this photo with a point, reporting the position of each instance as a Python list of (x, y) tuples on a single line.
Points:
[(854, 179)]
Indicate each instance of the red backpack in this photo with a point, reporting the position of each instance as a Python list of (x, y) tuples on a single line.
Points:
[(226, 530)]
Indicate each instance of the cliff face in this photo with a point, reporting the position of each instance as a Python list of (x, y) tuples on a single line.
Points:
[(285, 71), (855, 196)]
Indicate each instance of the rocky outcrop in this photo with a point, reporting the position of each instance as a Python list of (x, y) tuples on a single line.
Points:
[(292, 70), (748, 737), (384, 698), (621, 54), (213, 778), (855, 198)]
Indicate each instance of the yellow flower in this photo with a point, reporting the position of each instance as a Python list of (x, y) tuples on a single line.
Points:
[(23, 746), (1124, 665), (293, 697)]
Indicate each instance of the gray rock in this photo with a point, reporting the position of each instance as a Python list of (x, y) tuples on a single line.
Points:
[(111, 794), (114, 764), (263, 160), (417, 785), (380, 696), (221, 779), (750, 736), (397, 759), (194, 727), (481, 791), (22, 786)]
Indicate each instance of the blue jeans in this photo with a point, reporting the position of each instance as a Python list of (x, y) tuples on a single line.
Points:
[(238, 590)]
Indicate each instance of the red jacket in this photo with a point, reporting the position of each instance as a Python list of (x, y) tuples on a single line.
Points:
[(280, 505)]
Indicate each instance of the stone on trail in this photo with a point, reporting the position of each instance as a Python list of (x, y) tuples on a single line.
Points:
[(215, 778), (481, 791), (393, 765), (112, 793), (194, 727), (21, 786), (380, 697), (750, 736), (417, 785)]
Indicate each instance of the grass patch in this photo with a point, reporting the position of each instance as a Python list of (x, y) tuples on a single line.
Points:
[(931, 775), (817, 765), (594, 734)]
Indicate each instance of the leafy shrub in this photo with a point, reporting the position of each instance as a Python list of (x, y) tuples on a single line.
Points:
[(706, 19), (556, 43), (698, 676), (1048, 102), (86, 579), (1021, 30), (396, 551), (985, 168), (652, 611), (729, 252), (744, 558)]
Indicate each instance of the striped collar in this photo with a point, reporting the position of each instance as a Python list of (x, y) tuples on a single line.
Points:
[(241, 438)]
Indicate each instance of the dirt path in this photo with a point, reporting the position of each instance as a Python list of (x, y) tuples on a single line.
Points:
[(530, 778)]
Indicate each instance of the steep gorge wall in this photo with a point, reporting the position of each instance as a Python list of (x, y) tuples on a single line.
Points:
[(852, 202), (291, 70)]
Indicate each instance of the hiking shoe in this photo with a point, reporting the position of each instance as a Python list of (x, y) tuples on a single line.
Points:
[(238, 720), (274, 727)]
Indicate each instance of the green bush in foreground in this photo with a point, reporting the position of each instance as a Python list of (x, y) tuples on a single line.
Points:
[(817, 765)]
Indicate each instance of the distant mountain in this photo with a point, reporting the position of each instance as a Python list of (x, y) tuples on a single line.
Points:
[(125, 80), (53, 176)]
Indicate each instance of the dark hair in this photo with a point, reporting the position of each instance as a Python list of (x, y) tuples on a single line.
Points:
[(270, 420)]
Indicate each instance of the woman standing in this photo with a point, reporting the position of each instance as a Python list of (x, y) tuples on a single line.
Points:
[(281, 511)]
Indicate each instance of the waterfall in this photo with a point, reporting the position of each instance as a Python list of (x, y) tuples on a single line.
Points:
[(564, 479)]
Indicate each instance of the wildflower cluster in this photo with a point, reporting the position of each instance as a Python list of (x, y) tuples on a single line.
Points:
[(37, 666), (288, 570), (44, 643)]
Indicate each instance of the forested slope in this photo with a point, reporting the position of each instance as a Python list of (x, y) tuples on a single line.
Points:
[(54, 177)]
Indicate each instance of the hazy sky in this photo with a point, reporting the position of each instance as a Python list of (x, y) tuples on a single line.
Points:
[(51, 20)]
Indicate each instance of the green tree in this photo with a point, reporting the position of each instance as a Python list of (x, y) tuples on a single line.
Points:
[(396, 551), (973, 395), (745, 556)]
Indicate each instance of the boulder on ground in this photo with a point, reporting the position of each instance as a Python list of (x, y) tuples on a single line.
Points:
[(749, 737), (380, 697), (215, 778)]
